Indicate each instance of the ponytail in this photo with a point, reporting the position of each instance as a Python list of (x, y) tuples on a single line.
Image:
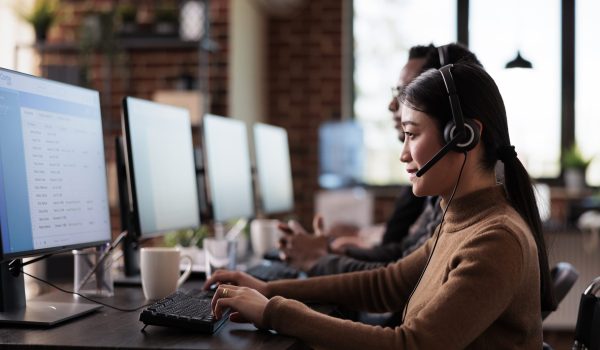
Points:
[(519, 189)]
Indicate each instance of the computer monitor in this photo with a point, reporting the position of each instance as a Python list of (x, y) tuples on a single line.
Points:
[(273, 169), (341, 155), (53, 190), (160, 172), (227, 167)]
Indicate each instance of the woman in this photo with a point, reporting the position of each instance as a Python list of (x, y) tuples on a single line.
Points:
[(480, 283)]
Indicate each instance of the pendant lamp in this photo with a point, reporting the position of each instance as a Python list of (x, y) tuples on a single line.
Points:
[(519, 62)]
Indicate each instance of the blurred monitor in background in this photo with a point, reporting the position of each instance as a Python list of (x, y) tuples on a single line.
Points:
[(341, 154), (273, 169), (228, 169)]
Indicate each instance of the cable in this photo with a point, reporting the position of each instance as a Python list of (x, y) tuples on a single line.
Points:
[(15, 266), (437, 236), (17, 263), (83, 296)]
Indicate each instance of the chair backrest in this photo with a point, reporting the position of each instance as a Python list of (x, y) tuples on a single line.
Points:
[(588, 319), (563, 277)]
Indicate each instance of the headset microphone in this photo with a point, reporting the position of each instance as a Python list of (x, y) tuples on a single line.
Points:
[(460, 135), (438, 156)]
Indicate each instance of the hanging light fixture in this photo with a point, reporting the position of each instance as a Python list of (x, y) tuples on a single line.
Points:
[(519, 62)]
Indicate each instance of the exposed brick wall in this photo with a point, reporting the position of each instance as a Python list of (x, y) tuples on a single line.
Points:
[(140, 71), (219, 60), (304, 82)]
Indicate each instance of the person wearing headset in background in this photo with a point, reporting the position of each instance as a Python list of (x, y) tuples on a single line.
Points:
[(481, 282), (413, 219)]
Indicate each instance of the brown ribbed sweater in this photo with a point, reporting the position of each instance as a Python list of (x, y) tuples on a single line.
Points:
[(481, 289)]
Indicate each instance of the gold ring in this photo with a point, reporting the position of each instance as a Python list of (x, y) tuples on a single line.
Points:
[(225, 291)]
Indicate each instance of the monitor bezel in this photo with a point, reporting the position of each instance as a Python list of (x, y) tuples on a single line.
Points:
[(61, 248), (133, 209)]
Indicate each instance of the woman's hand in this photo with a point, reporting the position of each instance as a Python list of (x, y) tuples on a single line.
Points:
[(246, 304), (236, 278)]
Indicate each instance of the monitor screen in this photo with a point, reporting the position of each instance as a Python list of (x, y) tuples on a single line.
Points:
[(273, 169), (53, 191), (228, 168), (341, 154), (161, 170)]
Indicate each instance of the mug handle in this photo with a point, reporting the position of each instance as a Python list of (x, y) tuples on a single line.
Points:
[(187, 272)]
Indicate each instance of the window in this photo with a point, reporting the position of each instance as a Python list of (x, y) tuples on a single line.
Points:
[(587, 80), (384, 31), (498, 30), (15, 32)]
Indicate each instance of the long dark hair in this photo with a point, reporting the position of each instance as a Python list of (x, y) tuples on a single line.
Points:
[(480, 98)]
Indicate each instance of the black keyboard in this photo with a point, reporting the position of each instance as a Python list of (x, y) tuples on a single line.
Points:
[(187, 310), (272, 271)]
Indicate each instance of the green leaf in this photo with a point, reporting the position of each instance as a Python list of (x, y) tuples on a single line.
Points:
[(573, 158)]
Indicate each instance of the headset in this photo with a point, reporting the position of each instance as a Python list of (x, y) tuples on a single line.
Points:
[(460, 135)]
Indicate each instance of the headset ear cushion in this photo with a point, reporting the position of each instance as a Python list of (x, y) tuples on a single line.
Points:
[(448, 131), (471, 139)]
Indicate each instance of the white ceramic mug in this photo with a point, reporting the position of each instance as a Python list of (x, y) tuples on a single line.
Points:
[(264, 234), (160, 271)]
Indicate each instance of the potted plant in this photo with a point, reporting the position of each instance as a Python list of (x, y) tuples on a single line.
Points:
[(574, 167), (166, 19), (187, 238), (189, 242), (41, 16), (127, 15)]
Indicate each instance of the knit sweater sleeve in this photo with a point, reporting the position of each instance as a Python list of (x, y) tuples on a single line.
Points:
[(383, 253), (333, 264), (480, 284), (378, 290)]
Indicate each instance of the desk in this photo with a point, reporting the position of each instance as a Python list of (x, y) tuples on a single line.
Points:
[(108, 328)]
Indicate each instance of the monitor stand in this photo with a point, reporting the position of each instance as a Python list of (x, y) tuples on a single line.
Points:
[(46, 313), (130, 276), (14, 309)]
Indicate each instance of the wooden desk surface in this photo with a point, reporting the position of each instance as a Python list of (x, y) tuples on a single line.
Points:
[(108, 328)]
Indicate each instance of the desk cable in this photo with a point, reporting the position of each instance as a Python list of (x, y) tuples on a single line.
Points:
[(437, 236), (83, 296), (14, 267)]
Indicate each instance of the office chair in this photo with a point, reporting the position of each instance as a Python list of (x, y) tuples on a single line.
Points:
[(563, 277), (588, 319)]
